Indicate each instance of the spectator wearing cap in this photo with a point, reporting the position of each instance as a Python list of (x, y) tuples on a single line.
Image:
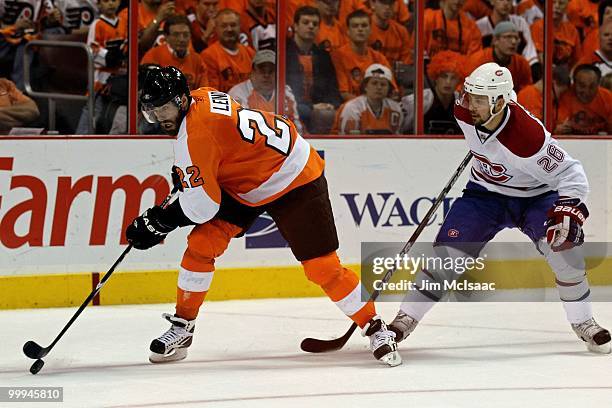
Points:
[(503, 11), (449, 28), (227, 61), (446, 71), (373, 112), (531, 97), (388, 36), (176, 52), (351, 60), (504, 52), (258, 92), (566, 38), (16, 109), (586, 108), (311, 73), (602, 57)]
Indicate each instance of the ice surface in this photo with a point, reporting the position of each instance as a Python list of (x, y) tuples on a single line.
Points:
[(246, 354)]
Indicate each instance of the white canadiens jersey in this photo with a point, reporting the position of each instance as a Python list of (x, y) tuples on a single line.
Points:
[(521, 159)]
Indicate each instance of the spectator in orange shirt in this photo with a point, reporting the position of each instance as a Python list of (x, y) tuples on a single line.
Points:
[(227, 61), (602, 57), (583, 15), (352, 59), (373, 112), (531, 97), (388, 36), (258, 23), (446, 70), (203, 24), (504, 52), (399, 11), (586, 109), (16, 109), (259, 91), (331, 35), (449, 28), (477, 9), (311, 73), (151, 15), (591, 42), (566, 38), (176, 52)]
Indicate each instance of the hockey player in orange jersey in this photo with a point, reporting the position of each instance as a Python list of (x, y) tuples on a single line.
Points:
[(232, 164)]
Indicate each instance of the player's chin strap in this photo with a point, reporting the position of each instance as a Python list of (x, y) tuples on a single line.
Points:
[(492, 111)]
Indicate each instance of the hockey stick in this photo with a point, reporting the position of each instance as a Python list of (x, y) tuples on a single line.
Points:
[(311, 345), (34, 351)]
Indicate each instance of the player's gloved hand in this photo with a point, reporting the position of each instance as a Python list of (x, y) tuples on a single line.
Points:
[(564, 224), (147, 230)]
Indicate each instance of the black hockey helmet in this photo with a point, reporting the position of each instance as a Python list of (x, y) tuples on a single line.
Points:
[(162, 85)]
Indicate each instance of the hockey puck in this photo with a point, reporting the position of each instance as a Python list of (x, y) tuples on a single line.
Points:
[(38, 364)]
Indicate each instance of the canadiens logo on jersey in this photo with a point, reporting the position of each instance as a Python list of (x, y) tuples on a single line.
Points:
[(491, 171)]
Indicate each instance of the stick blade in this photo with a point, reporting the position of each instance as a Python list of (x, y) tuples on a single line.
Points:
[(33, 350), (311, 345)]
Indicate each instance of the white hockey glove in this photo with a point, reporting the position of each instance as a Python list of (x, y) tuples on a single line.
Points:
[(564, 224)]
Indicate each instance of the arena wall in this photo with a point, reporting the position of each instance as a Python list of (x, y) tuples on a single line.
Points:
[(63, 203)]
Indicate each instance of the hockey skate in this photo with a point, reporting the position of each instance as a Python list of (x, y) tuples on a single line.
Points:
[(402, 326), (173, 344), (382, 342), (597, 338)]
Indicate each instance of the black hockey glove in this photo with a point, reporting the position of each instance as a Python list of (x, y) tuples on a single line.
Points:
[(564, 224), (148, 230)]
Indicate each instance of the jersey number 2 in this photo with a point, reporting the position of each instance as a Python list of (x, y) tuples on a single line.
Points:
[(278, 138)]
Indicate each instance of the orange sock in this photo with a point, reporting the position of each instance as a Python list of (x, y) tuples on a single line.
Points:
[(188, 303)]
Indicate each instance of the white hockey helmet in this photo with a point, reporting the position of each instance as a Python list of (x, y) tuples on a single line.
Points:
[(490, 80)]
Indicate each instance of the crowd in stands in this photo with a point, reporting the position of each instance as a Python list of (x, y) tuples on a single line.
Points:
[(349, 63)]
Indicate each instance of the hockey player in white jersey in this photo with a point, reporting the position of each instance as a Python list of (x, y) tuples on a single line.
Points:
[(520, 178)]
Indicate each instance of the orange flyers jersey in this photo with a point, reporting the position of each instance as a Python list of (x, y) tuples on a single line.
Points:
[(331, 37), (192, 65), (227, 68), (566, 38), (531, 99), (252, 155), (395, 43), (245, 94), (260, 31), (518, 67), (103, 33), (598, 59), (460, 35), (351, 67), (356, 116), (587, 119), (529, 11)]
